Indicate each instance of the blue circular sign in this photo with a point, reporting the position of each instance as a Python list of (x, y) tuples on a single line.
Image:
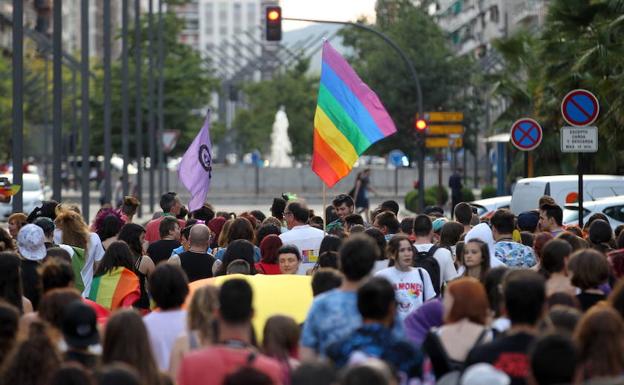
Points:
[(396, 158), (580, 108), (526, 134)]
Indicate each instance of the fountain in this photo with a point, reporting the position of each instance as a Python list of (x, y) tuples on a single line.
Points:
[(280, 143)]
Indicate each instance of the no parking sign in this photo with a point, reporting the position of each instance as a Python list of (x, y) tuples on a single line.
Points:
[(580, 108), (526, 134)]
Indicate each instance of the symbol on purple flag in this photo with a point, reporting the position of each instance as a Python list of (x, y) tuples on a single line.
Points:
[(195, 170)]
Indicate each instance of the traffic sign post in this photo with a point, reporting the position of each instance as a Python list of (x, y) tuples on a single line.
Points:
[(580, 108), (526, 135), (444, 142)]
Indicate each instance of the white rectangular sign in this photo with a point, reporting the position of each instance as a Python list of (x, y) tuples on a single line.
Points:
[(579, 139)]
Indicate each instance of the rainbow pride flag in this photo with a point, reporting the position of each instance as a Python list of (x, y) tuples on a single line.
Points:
[(349, 118), (111, 289)]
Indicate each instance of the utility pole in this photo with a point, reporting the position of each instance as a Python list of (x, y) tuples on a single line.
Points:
[(150, 103), (57, 130), (107, 101), (160, 104), (18, 101), (84, 116), (125, 107), (137, 104)]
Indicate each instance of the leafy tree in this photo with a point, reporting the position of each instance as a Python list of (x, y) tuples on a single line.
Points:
[(292, 89)]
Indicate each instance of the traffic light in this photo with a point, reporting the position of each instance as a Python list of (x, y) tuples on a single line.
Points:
[(421, 125), (273, 20)]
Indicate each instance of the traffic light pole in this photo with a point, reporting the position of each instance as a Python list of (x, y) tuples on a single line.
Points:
[(408, 63)]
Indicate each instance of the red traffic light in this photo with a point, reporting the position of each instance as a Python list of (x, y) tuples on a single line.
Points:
[(273, 23), (421, 125)]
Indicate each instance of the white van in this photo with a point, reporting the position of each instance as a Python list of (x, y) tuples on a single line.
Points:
[(528, 190)]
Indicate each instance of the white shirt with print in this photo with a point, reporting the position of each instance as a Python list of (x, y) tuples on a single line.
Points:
[(409, 288)]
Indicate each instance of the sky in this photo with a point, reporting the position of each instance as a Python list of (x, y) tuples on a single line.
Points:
[(340, 10)]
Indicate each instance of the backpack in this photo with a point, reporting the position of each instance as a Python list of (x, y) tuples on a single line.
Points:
[(425, 260)]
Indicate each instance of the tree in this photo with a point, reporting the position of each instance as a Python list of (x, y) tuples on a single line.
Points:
[(292, 89), (188, 83)]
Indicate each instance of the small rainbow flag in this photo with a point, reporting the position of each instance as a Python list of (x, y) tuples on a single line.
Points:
[(110, 290), (349, 118)]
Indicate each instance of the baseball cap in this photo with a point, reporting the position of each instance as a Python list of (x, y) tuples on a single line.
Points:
[(438, 223), (527, 221), (31, 242), (80, 325)]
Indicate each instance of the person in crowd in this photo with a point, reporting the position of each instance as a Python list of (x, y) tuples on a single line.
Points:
[(265, 230), (107, 224), (238, 249), (9, 324), (16, 222), (553, 359), (351, 220), (551, 218), (168, 287), (449, 236), (289, 259), (129, 208), (239, 229), (524, 293), (528, 221), (259, 215), (369, 371), (196, 262), (185, 235), (475, 259), (418, 323), (314, 373), (47, 225), (601, 236), (423, 232), (269, 263), (115, 284), (589, 269), (238, 266), (328, 259), (465, 326), (31, 247), (343, 205), (463, 214), (277, 208), (616, 297), (126, 341), (412, 285), (169, 231), (201, 326), (563, 299), (52, 310), (47, 209), (540, 240), (334, 314), (387, 223), (554, 263), (306, 238), (406, 227), (79, 332), (325, 279), (7, 243), (599, 337), (33, 361), (205, 213), (11, 282), (456, 186), (390, 205), (87, 248), (280, 341), (216, 227), (483, 232), (381, 242), (437, 228), (575, 241), (212, 364), (134, 236), (361, 190), (508, 251), (71, 374), (560, 319), (377, 304), (118, 373), (171, 206)]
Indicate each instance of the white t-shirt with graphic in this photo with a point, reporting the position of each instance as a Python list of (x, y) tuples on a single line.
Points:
[(408, 287)]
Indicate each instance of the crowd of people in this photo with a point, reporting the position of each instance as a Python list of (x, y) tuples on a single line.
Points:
[(427, 299)]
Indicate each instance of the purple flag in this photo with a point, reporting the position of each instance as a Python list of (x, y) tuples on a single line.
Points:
[(195, 170)]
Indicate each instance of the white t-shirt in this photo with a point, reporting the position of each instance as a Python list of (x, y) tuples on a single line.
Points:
[(94, 253), (445, 260), (163, 328), (307, 239), (409, 288)]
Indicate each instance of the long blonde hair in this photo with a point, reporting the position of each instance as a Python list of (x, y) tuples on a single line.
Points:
[(204, 303), (75, 230)]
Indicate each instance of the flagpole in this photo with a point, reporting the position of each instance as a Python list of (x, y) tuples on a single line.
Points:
[(324, 212)]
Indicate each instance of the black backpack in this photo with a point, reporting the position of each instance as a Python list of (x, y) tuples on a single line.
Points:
[(425, 260)]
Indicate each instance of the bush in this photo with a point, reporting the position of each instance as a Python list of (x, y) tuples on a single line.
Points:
[(433, 192), (467, 194), (488, 192), (411, 201)]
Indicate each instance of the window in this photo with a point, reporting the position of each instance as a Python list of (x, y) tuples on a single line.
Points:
[(615, 212), (251, 14), (494, 14), (223, 12)]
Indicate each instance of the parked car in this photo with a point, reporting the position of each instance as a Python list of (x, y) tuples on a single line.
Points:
[(612, 207), (563, 189), (33, 195), (486, 207)]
